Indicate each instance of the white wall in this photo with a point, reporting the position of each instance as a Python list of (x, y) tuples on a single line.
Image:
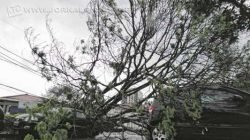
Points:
[(23, 104)]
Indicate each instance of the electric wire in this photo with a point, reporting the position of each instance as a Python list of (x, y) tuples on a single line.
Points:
[(17, 55), (8, 61), (17, 89), (11, 60), (6, 57)]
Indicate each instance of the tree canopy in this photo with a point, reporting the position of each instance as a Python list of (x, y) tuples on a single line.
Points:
[(151, 47)]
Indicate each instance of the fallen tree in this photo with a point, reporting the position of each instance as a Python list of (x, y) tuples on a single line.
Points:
[(151, 47)]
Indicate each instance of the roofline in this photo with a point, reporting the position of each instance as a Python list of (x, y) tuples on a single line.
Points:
[(22, 95), (227, 88), (7, 99)]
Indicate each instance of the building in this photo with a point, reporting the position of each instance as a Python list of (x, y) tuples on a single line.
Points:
[(128, 102), (132, 99), (18, 103)]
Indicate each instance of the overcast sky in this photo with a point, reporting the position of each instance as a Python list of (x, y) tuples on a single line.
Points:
[(69, 25)]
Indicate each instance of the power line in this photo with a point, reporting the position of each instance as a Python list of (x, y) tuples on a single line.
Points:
[(17, 89), (16, 62), (17, 55), (8, 61), (19, 65), (9, 50), (9, 90)]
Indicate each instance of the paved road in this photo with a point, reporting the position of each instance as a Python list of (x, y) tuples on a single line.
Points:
[(113, 136), (118, 136)]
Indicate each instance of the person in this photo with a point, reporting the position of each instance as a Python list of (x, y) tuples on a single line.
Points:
[(1, 119)]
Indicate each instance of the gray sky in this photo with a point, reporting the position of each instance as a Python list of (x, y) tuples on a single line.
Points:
[(69, 25)]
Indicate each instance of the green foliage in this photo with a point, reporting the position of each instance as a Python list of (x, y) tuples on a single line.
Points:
[(242, 80), (175, 107), (60, 134), (192, 105), (177, 45), (29, 137), (167, 124), (11, 116), (53, 125)]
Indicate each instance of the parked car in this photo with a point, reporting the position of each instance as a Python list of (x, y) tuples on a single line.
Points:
[(225, 116), (25, 123)]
